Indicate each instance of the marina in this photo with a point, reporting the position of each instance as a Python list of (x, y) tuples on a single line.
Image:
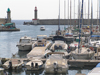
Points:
[(71, 49)]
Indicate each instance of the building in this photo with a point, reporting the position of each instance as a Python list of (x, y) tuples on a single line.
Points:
[(6, 20)]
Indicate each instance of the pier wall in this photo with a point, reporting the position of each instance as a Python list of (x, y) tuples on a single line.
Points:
[(66, 21)]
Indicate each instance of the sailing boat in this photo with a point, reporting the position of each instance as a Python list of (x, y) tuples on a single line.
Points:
[(82, 52), (68, 34)]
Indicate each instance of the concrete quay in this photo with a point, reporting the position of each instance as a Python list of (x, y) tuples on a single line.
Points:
[(71, 62), (62, 22), (9, 29)]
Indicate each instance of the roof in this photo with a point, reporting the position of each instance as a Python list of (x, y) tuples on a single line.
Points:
[(8, 24), (8, 10)]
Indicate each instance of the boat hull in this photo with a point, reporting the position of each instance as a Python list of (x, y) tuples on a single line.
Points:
[(25, 47), (57, 70), (83, 56), (29, 68)]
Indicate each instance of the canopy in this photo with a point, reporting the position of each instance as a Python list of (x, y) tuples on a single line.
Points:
[(95, 36), (8, 24), (68, 33)]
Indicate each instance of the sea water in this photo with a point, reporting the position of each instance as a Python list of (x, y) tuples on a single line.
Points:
[(9, 40)]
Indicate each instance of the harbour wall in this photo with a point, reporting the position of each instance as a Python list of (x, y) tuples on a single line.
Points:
[(66, 21)]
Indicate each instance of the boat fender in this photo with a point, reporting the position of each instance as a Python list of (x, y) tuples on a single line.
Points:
[(55, 67), (10, 65), (32, 64), (91, 48), (36, 65)]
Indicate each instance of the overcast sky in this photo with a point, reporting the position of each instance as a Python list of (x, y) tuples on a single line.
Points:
[(47, 9)]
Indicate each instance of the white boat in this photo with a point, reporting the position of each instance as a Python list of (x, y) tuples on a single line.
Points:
[(69, 37), (82, 53), (56, 63), (25, 43), (42, 28), (1, 71), (95, 71), (94, 42), (42, 42), (60, 46), (34, 64), (13, 64), (73, 45)]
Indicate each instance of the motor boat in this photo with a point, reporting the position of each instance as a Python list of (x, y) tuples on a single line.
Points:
[(25, 43), (40, 47), (34, 64), (42, 28), (13, 64), (82, 53), (95, 70), (73, 46), (60, 46), (94, 42), (42, 41), (56, 63)]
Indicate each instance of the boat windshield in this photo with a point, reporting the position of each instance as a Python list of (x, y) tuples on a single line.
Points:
[(60, 51), (41, 37), (56, 58), (25, 40)]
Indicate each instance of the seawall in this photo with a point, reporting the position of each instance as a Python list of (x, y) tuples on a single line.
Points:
[(64, 22)]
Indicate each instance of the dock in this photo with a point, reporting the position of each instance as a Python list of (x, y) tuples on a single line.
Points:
[(71, 62), (9, 29)]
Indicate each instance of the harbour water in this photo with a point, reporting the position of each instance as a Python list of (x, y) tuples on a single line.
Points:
[(8, 41)]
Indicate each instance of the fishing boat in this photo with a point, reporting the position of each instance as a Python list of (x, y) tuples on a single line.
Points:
[(82, 52), (42, 28), (34, 64), (56, 63), (95, 70), (25, 43), (13, 64)]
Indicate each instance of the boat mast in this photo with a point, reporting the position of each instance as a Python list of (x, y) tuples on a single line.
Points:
[(64, 11), (88, 12), (91, 16), (74, 14), (97, 12), (70, 14), (59, 17), (81, 22), (99, 15)]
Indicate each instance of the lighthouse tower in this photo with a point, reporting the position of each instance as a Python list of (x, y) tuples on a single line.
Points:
[(35, 20), (35, 14), (8, 16)]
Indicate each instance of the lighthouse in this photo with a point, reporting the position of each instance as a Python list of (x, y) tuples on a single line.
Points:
[(35, 20), (8, 16), (35, 14)]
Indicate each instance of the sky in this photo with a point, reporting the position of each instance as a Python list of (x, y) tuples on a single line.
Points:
[(47, 9)]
